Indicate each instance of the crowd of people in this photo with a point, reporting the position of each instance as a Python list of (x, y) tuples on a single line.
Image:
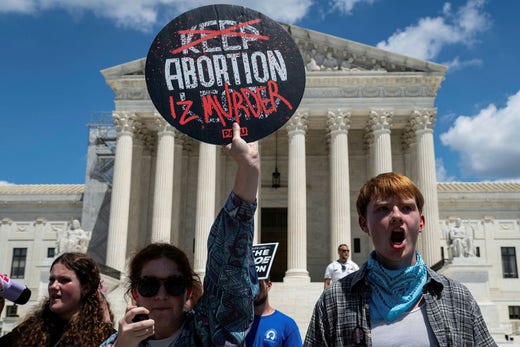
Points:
[(394, 299)]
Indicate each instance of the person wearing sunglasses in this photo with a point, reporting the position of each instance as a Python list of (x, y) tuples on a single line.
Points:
[(163, 285), (339, 268)]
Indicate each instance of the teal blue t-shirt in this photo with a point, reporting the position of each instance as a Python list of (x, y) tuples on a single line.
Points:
[(275, 330)]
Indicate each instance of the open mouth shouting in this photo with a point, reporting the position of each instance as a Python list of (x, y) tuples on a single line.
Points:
[(397, 237)]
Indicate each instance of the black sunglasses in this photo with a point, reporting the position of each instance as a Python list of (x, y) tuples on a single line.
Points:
[(149, 286)]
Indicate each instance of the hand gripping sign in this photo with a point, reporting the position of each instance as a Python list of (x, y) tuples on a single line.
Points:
[(220, 64)]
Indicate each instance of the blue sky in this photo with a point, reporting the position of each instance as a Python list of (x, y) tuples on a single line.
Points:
[(52, 52)]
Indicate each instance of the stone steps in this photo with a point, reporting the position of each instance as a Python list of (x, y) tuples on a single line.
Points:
[(296, 300)]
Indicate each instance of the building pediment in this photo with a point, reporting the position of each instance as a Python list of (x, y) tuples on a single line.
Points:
[(321, 52), (340, 73), (127, 80), (129, 69)]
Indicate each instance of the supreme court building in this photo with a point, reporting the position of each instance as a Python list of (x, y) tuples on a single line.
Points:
[(364, 111)]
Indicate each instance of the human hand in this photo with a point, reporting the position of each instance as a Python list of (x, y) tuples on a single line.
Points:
[(247, 157), (131, 333), (242, 152)]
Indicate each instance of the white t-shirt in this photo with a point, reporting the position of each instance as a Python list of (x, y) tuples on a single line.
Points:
[(337, 270), (409, 330), (169, 341)]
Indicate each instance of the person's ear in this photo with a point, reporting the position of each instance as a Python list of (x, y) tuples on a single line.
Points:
[(362, 221), (135, 295), (422, 223)]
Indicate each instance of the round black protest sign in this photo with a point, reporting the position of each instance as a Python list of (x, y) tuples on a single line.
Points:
[(220, 64)]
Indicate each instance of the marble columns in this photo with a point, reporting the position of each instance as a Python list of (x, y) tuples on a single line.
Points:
[(380, 121), (180, 140), (297, 195), (338, 125), (205, 215), (429, 246), (163, 190), (121, 184)]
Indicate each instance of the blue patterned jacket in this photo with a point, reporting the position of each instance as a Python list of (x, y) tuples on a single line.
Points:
[(224, 313)]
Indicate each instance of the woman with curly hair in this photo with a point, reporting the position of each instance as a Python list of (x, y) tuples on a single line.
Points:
[(74, 314)]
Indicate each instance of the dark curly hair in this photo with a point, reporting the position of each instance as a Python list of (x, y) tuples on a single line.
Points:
[(85, 328)]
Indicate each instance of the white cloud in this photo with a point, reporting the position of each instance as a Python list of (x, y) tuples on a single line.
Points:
[(488, 142), (442, 173), (287, 11), (18, 6), (5, 183), (429, 36), (145, 15), (456, 64), (346, 6)]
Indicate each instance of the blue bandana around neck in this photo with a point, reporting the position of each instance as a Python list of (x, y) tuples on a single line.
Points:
[(394, 291)]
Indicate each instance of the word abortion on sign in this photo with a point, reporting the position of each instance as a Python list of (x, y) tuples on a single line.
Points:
[(220, 64), (263, 255)]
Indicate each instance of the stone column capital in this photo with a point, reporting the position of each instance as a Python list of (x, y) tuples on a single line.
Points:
[(125, 122), (145, 138), (408, 136), (368, 137), (423, 119), (163, 127), (298, 123), (338, 120), (380, 120)]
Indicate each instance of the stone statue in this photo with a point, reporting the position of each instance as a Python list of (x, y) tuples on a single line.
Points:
[(329, 62), (460, 243), (73, 239), (347, 65), (312, 65)]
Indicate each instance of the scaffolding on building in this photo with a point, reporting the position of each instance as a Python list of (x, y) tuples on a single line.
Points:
[(103, 136)]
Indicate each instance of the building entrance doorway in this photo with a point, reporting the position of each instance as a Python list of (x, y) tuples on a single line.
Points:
[(274, 229)]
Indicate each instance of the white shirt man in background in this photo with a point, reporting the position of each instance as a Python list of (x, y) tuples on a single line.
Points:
[(341, 267)]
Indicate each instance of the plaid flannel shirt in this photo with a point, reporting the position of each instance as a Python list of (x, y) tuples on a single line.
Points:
[(342, 313)]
